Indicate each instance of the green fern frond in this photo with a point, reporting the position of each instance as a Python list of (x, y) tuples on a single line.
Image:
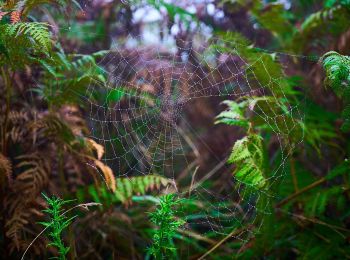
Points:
[(336, 18), (39, 32), (337, 69), (88, 60), (332, 3), (264, 112), (247, 154), (67, 74), (126, 188), (321, 24), (21, 42), (234, 115), (262, 68), (316, 203)]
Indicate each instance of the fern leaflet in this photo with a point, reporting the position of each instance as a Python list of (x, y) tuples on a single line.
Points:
[(37, 31), (247, 154), (338, 78)]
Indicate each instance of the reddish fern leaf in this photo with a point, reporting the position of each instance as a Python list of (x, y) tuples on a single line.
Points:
[(15, 17)]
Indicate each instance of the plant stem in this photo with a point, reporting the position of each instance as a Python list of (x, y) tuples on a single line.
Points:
[(299, 192), (233, 233)]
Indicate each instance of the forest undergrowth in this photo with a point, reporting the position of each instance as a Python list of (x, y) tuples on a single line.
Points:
[(231, 143)]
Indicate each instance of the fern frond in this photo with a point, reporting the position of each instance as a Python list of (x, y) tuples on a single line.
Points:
[(317, 202), (247, 154), (95, 146), (39, 32), (107, 174), (270, 16), (19, 121), (5, 167), (126, 188), (337, 69), (70, 73), (88, 60), (234, 115), (15, 17), (20, 212), (262, 69), (53, 127), (335, 16), (34, 177)]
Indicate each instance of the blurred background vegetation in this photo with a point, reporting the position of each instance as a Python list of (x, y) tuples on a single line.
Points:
[(199, 129)]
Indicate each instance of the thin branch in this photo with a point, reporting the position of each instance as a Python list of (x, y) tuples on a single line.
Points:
[(199, 237), (192, 180), (301, 191), (210, 174), (233, 233), (320, 222)]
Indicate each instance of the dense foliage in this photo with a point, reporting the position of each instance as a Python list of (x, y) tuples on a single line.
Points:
[(268, 172)]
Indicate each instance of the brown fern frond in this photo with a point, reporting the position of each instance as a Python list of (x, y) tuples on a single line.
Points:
[(10, 4), (18, 116), (18, 125), (72, 117), (107, 174), (95, 146), (53, 127), (20, 214), (5, 167), (34, 177), (36, 249)]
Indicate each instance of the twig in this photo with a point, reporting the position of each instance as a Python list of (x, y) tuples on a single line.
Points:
[(299, 192), (184, 173), (189, 141), (320, 222), (233, 233), (192, 180), (209, 174), (199, 237)]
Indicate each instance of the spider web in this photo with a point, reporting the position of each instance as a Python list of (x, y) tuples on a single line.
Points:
[(143, 123)]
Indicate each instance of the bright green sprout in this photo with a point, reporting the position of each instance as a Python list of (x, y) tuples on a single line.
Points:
[(164, 217), (56, 225)]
